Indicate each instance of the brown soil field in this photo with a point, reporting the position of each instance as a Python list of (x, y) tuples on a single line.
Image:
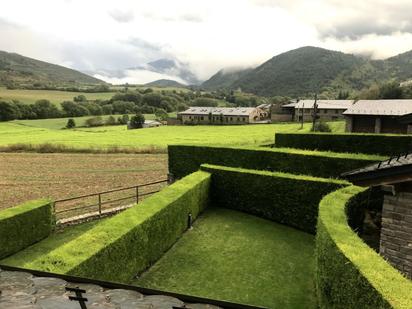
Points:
[(26, 176)]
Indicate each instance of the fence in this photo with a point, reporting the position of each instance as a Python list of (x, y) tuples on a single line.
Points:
[(102, 203)]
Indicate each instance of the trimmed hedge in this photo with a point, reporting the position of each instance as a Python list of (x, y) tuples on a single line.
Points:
[(118, 248), (24, 225), (349, 273), (382, 144), (285, 198), (184, 160)]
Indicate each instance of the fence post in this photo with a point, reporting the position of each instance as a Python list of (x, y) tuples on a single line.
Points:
[(100, 204), (137, 194)]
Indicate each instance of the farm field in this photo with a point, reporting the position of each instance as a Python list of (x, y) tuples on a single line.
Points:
[(54, 96), (119, 136), (233, 256), (59, 123), (26, 176)]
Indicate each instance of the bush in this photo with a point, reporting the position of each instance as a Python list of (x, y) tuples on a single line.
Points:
[(349, 273), (137, 121), (133, 240), (70, 123), (321, 126), (123, 120), (184, 160), (94, 122), (24, 225), (285, 198), (382, 144), (110, 121)]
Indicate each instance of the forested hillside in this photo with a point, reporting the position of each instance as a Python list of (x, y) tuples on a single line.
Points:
[(17, 71)]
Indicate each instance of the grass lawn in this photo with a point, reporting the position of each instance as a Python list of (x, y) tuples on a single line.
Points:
[(104, 137), (237, 257), (54, 96), (42, 248)]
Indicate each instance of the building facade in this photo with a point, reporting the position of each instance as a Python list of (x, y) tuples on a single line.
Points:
[(222, 115), (379, 116), (327, 110)]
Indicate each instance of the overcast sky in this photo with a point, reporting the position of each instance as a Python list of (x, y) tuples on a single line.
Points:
[(98, 35)]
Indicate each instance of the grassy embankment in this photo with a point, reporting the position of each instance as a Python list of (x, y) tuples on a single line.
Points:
[(237, 257)]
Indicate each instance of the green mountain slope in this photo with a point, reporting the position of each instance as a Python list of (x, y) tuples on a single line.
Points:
[(298, 72), (165, 83), (224, 78), (308, 70), (18, 71)]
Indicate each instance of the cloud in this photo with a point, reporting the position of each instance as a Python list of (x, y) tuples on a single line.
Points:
[(122, 16)]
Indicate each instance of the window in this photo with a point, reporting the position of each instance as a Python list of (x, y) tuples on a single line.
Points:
[(307, 111), (201, 118), (231, 118), (325, 111), (190, 117), (244, 119), (238, 119), (336, 111)]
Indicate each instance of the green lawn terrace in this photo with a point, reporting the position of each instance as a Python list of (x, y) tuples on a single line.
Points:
[(260, 236)]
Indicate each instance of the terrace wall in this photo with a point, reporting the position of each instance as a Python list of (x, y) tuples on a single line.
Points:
[(184, 159), (284, 198), (349, 273), (386, 145), (24, 225)]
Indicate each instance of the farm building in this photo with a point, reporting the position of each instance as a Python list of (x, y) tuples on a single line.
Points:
[(147, 124), (395, 178), (380, 116), (222, 115), (327, 110)]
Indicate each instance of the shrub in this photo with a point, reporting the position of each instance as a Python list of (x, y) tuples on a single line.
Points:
[(137, 121), (322, 126), (382, 144), (94, 122), (123, 119), (24, 225), (349, 273), (120, 247), (285, 198), (184, 159), (70, 123), (110, 121)]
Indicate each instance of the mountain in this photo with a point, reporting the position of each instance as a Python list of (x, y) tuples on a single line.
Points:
[(224, 78), (19, 71), (171, 68), (165, 83), (308, 70)]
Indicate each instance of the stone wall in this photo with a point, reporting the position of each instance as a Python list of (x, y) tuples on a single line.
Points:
[(396, 233)]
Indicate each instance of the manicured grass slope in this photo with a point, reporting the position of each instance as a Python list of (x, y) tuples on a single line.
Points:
[(237, 257), (37, 251), (104, 137)]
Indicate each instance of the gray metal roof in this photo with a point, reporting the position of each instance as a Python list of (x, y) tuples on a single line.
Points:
[(322, 104), (380, 107), (398, 165), (226, 111)]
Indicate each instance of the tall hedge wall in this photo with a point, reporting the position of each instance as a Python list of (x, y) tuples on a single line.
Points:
[(184, 160), (382, 144), (285, 198), (118, 248), (349, 273), (24, 225)]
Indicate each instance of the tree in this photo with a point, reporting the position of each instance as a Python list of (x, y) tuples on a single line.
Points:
[(72, 109), (107, 109), (80, 98), (123, 119), (161, 114), (137, 121), (45, 109), (206, 102), (70, 123), (110, 121), (390, 91), (8, 111), (94, 121)]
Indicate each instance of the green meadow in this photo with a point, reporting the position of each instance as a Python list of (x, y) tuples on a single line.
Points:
[(54, 96), (37, 132)]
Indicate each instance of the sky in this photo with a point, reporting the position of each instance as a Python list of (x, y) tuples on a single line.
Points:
[(114, 39)]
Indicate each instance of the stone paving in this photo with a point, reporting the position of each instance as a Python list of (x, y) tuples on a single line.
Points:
[(21, 290)]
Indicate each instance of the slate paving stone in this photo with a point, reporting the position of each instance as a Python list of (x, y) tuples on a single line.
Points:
[(20, 290)]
